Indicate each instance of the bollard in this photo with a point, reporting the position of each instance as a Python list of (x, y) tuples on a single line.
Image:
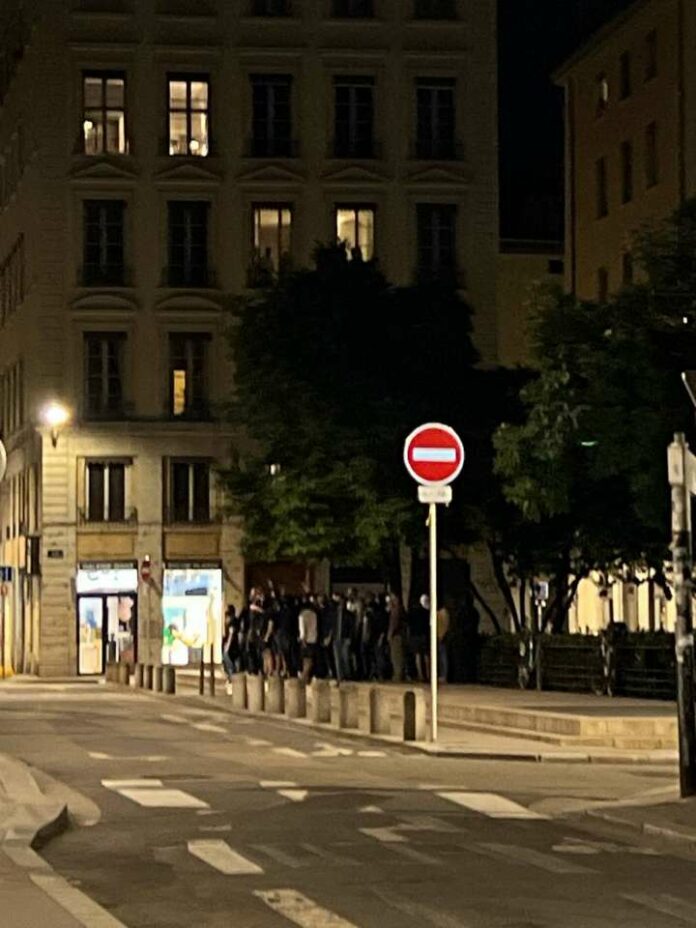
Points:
[(380, 721), (157, 680), (169, 680), (211, 676), (239, 690), (365, 703), (335, 705), (147, 677), (201, 676), (320, 702), (139, 676), (348, 706), (124, 674), (255, 692), (414, 716), (295, 699), (275, 696)]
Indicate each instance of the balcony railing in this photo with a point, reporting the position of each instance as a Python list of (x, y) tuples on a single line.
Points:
[(355, 148), (193, 275), (272, 148), (174, 516), (104, 275), (437, 150), (85, 517)]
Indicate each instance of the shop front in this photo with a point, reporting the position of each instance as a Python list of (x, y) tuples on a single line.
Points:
[(107, 615), (191, 612)]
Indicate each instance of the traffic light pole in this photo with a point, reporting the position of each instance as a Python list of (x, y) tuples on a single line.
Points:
[(682, 469)]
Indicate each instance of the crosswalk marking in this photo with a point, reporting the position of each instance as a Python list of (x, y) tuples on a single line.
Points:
[(385, 835), (177, 719), (276, 784), (491, 804), (294, 795), (257, 742), (372, 753), (289, 752), (300, 909), (665, 904), (208, 726), (220, 856), (163, 798), (76, 903), (372, 810), (526, 855), (278, 855), (148, 758), (141, 782)]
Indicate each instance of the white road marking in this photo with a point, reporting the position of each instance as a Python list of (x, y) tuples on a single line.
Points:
[(163, 798), (294, 795), (426, 823), (208, 726), (300, 909), (372, 753), (492, 805), (331, 750), (148, 758), (579, 849), (275, 784), (257, 742), (667, 905), (177, 719), (372, 810), (220, 856), (289, 752), (526, 855), (209, 812), (211, 828), (139, 783), (417, 910), (81, 907), (418, 856), (279, 856), (385, 835)]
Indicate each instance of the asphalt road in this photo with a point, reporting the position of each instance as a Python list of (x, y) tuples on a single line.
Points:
[(196, 817)]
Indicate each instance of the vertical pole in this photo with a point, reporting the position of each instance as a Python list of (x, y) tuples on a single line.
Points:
[(211, 678), (679, 478), (432, 523)]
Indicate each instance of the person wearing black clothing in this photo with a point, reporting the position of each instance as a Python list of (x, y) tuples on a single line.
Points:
[(230, 645), (342, 633), (255, 628), (325, 658), (285, 625), (419, 630)]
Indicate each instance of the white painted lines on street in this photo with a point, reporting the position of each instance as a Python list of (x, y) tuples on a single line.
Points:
[(151, 794), (176, 719), (526, 855), (208, 726), (276, 784), (81, 907), (219, 855), (492, 805), (300, 909), (147, 758), (371, 810), (372, 754), (666, 905), (214, 828), (257, 742), (294, 795), (289, 752), (285, 788), (385, 835)]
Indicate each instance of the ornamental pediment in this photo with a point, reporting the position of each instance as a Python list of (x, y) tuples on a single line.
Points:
[(188, 302), (270, 174), (202, 172), (105, 301), (353, 174), (438, 176), (87, 168)]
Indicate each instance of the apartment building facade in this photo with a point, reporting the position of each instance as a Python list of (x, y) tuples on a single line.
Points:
[(157, 159), (630, 138)]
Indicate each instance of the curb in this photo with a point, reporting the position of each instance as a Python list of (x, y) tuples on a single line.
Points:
[(665, 832)]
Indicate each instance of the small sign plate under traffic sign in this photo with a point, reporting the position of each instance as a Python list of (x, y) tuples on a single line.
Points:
[(442, 494)]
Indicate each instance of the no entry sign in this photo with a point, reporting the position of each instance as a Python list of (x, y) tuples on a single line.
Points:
[(434, 454)]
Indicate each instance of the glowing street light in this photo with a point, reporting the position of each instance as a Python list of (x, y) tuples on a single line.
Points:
[(55, 416)]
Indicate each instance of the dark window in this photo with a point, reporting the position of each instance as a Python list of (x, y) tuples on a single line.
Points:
[(627, 268), (435, 118), (103, 242), (602, 91), (189, 131), (437, 241), (271, 7), (188, 244), (103, 379), (625, 69), (187, 374), (435, 9), (190, 491), (352, 8), (652, 162), (104, 113), (601, 192), (271, 116), (650, 53), (602, 284), (106, 491), (626, 172), (353, 117), (555, 266)]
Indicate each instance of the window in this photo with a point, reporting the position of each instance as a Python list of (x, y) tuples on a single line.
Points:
[(352, 8), (189, 491), (602, 90), (627, 268), (435, 119), (601, 192), (271, 8), (652, 163), (602, 284), (436, 232), (625, 69), (188, 116), (272, 229), (555, 266), (188, 244), (103, 243), (650, 53), (353, 117), (271, 116), (12, 281), (187, 374), (103, 374), (355, 225), (105, 491), (435, 9), (104, 114), (626, 172)]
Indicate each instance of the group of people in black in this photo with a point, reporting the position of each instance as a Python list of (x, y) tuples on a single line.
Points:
[(351, 636)]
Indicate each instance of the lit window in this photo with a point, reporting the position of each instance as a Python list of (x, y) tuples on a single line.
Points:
[(355, 225), (104, 114), (602, 93), (272, 227), (188, 116), (187, 365)]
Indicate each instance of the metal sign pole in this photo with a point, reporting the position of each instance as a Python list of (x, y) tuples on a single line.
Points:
[(432, 523)]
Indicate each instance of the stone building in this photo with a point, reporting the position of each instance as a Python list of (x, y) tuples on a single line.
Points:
[(158, 157)]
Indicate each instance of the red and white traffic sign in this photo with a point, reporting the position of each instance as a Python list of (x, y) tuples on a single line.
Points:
[(434, 454)]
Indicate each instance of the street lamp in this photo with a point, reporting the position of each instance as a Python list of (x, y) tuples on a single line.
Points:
[(55, 416)]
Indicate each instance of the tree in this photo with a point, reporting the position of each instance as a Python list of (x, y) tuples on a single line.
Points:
[(587, 462)]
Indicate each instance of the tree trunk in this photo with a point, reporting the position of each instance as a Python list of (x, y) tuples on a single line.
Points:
[(523, 602), (486, 608), (504, 586)]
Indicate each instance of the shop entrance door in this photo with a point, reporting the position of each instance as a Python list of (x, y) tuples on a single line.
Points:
[(106, 629)]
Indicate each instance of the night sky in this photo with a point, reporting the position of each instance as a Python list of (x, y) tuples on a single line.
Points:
[(535, 37)]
